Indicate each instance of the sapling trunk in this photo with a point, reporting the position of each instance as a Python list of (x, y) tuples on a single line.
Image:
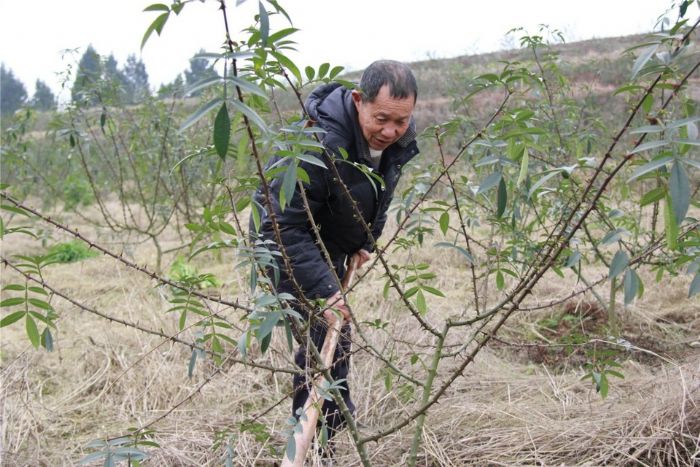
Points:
[(427, 389)]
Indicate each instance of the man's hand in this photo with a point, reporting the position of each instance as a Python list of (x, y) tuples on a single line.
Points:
[(336, 302), (362, 256)]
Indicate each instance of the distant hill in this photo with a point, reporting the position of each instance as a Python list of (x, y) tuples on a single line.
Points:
[(594, 68)]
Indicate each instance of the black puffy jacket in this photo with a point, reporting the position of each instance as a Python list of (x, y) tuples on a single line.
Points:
[(332, 109)]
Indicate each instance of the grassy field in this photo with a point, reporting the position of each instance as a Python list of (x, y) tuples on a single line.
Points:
[(522, 402)]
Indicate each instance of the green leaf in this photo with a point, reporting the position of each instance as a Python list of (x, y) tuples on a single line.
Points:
[(444, 222), (653, 196), (421, 305), (15, 287), (281, 34), (47, 340), (193, 361), (670, 225), (203, 84), (40, 304), (246, 85), (222, 131), (489, 182), (157, 7), (684, 7), (411, 292), (388, 381), (288, 64), (216, 346), (628, 88), (266, 300), (694, 285), (310, 72), (250, 113), (14, 209), (433, 290), (156, 25), (618, 264), (201, 112), (227, 228), (14, 301), (613, 236), (500, 280), (679, 188), (335, 71), (11, 318), (323, 434), (683, 122), (630, 285), (311, 160), (289, 183), (647, 103), (32, 332), (649, 145), (524, 166), (291, 447), (573, 259), (183, 320), (323, 69), (264, 24), (648, 129), (602, 386), (650, 166), (540, 182), (692, 142), (643, 58), (460, 249), (502, 199), (268, 324), (615, 373)]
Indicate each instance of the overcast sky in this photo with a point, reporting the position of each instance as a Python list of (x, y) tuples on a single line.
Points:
[(35, 33)]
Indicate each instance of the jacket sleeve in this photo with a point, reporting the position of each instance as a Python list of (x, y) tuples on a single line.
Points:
[(377, 228), (309, 267)]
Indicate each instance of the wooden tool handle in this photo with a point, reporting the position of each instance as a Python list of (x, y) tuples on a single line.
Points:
[(313, 403)]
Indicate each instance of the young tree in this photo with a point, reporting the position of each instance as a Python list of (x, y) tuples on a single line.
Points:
[(137, 87), (44, 98), (89, 72), (12, 92)]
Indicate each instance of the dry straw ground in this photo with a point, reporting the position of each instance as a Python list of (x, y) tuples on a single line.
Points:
[(522, 402)]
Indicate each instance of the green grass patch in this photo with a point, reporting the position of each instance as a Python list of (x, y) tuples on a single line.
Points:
[(71, 252)]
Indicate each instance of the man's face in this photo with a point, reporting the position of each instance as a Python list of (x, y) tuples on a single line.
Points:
[(384, 120)]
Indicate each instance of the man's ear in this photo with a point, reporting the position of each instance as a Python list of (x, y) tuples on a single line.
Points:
[(356, 97)]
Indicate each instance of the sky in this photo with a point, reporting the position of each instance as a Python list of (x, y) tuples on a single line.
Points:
[(36, 35)]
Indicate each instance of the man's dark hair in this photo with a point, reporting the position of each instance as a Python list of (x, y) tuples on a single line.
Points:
[(397, 75)]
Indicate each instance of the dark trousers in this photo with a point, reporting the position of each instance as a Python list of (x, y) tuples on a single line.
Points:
[(340, 369)]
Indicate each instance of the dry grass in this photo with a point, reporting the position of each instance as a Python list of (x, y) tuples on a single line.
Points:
[(505, 410)]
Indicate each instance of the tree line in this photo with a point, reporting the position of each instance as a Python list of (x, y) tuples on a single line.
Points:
[(127, 84)]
